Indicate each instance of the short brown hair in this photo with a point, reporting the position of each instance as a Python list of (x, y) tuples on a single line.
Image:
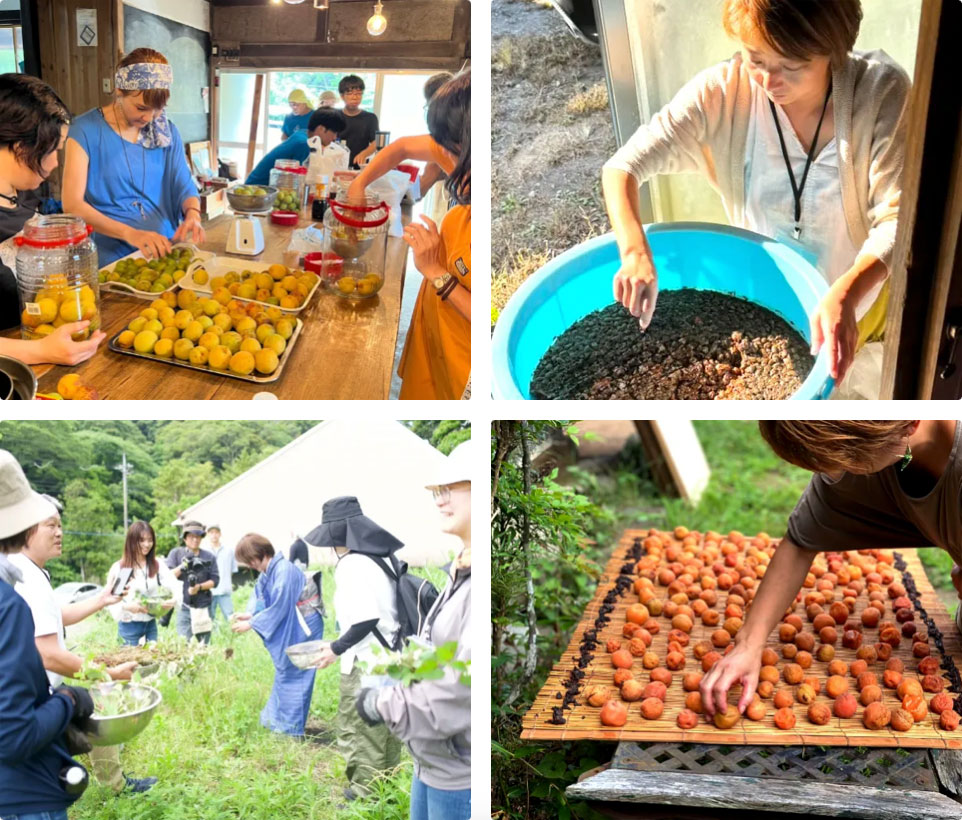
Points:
[(831, 446), (156, 98), (798, 29), (253, 547)]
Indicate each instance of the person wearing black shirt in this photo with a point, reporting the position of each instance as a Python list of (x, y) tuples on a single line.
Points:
[(361, 126), (33, 125), (198, 570)]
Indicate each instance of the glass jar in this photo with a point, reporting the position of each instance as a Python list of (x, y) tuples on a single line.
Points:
[(291, 184), (57, 276), (355, 246)]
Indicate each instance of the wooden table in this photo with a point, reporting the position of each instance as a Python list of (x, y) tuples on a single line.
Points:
[(345, 351)]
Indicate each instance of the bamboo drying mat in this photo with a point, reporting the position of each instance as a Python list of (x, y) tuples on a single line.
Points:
[(583, 722)]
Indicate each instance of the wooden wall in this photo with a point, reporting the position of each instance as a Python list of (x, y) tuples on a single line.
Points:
[(421, 34), (77, 73)]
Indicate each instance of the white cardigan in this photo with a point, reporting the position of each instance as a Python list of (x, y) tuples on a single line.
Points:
[(141, 582), (704, 128)]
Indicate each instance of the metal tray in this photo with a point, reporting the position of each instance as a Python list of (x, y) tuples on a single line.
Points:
[(220, 265), (273, 377), (121, 287)]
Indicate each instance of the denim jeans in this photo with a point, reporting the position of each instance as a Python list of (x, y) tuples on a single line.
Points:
[(428, 803), (42, 815), (225, 604), (132, 631)]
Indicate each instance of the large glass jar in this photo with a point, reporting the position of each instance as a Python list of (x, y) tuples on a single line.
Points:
[(355, 246), (57, 276), (291, 183)]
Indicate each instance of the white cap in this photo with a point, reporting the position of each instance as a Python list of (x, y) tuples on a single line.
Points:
[(20, 507), (456, 467)]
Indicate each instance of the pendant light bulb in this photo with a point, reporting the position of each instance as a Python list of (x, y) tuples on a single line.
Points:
[(377, 24)]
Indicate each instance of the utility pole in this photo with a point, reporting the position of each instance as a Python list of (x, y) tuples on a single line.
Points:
[(125, 470)]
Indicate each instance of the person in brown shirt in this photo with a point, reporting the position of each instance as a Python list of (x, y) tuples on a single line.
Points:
[(877, 485)]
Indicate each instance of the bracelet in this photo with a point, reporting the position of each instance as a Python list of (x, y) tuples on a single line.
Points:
[(448, 289), (192, 208)]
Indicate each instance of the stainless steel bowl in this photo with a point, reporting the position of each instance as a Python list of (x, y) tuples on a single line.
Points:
[(239, 202), (17, 380), (111, 731), (305, 655), (351, 248)]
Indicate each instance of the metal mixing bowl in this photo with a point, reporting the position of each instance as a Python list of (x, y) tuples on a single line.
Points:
[(240, 202), (305, 655), (17, 380), (112, 731)]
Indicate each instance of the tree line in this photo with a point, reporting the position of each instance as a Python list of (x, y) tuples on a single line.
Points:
[(172, 465)]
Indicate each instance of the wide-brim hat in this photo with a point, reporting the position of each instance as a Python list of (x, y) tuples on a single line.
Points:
[(20, 507), (194, 528), (327, 99), (344, 525), (455, 468)]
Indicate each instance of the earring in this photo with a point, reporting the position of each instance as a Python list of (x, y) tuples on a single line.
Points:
[(906, 458)]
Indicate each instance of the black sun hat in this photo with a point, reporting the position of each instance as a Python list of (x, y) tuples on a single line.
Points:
[(344, 525)]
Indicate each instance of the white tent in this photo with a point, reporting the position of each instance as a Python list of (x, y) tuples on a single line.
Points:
[(381, 462)]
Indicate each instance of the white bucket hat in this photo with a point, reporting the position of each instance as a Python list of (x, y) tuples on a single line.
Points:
[(20, 507), (456, 467)]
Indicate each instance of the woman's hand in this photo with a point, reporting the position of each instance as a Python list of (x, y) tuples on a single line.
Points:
[(833, 325), (242, 616), (327, 657), (59, 348), (150, 244), (356, 192), (136, 609), (741, 665), (190, 230), (636, 285), (241, 626), (425, 242)]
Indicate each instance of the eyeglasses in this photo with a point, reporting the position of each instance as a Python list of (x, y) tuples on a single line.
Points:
[(352, 92), (442, 493)]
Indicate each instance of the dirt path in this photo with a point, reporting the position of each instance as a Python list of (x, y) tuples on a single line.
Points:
[(551, 133)]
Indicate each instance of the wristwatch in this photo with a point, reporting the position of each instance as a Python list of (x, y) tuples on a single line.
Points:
[(440, 282)]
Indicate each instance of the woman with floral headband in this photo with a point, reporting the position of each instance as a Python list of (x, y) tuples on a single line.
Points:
[(126, 172)]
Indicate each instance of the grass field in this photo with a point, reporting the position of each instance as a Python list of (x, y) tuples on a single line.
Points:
[(216, 762)]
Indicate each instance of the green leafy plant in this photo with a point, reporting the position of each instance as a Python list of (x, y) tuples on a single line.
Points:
[(416, 663)]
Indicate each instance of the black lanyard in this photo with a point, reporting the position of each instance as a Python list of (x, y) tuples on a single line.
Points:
[(798, 188)]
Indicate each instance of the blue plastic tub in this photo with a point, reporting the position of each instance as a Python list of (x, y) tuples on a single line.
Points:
[(687, 255)]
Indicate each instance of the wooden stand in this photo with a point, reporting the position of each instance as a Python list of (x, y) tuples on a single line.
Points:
[(722, 782)]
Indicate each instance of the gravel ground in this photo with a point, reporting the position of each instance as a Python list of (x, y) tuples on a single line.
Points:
[(700, 345), (551, 133)]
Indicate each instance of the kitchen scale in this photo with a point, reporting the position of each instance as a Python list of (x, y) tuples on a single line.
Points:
[(245, 235)]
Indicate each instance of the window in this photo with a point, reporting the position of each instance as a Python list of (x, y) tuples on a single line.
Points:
[(11, 50), (396, 97)]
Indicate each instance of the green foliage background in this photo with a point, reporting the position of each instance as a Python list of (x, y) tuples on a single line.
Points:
[(174, 464)]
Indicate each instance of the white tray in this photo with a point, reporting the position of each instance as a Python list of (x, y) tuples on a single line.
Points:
[(222, 265), (121, 287)]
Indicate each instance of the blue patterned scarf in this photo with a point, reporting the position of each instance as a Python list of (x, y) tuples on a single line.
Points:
[(142, 77)]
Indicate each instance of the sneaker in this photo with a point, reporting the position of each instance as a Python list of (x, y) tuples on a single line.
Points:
[(135, 786), (349, 794)]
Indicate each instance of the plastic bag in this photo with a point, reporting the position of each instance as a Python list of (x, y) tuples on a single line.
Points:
[(391, 188), (864, 378)]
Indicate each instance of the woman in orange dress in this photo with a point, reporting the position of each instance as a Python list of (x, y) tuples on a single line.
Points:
[(436, 361)]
